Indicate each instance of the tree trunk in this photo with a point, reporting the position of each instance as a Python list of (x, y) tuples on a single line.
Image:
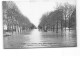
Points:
[(57, 27)]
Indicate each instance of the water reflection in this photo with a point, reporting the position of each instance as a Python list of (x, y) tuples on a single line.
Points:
[(36, 38), (69, 38)]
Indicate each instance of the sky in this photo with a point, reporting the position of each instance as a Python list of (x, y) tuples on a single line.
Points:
[(34, 9)]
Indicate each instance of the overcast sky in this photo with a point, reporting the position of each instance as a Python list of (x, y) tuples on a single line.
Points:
[(33, 9)]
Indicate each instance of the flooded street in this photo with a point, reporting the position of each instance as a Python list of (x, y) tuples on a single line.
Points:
[(36, 38)]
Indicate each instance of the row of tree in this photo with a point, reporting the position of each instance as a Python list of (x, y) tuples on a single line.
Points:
[(13, 18), (64, 16)]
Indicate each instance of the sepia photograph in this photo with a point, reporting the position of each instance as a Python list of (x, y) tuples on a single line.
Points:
[(39, 24)]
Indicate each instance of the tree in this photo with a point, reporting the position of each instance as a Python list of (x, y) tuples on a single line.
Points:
[(50, 20), (67, 12), (72, 20), (59, 18), (13, 17)]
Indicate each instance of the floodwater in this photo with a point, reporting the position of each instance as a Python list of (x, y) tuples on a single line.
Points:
[(40, 39)]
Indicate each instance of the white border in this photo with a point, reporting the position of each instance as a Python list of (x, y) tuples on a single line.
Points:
[(42, 52)]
